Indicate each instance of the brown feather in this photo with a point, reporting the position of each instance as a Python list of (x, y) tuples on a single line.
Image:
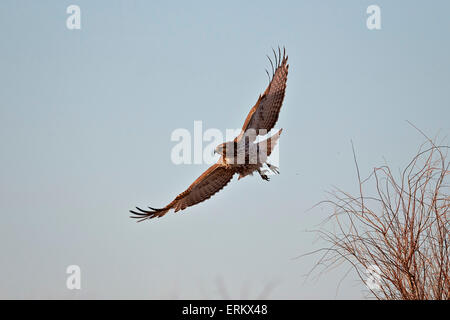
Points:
[(204, 187), (264, 115)]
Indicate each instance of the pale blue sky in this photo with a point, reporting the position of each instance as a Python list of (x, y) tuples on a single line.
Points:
[(86, 118)]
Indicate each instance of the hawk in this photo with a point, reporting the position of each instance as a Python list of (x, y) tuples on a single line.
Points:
[(241, 156)]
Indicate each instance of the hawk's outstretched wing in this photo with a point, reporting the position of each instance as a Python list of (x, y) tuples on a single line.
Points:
[(210, 182), (264, 114)]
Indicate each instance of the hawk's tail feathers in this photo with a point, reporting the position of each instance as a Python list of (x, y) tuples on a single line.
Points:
[(271, 142)]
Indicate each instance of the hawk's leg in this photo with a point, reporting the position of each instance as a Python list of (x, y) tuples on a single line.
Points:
[(273, 168), (263, 175)]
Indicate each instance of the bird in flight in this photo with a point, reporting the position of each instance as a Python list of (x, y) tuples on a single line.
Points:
[(243, 155)]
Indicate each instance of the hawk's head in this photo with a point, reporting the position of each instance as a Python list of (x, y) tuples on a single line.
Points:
[(225, 148)]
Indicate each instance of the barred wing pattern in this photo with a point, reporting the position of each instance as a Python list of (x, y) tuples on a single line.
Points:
[(264, 115), (209, 183)]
